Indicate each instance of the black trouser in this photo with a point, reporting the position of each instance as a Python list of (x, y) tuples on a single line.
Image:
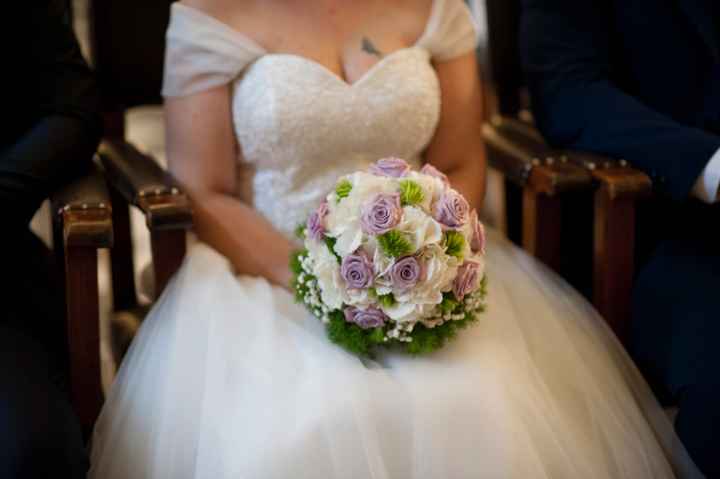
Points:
[(676, 336), (39, 434)]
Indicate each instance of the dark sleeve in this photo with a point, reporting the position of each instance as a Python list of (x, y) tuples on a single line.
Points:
[(56, 107), (565, 48)]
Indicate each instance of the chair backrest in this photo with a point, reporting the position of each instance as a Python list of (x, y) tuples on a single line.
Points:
[(503, 19), (127, 44)]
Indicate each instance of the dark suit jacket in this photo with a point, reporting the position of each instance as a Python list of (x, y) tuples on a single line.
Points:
[(50, 130), (632, 79), (50, 109)]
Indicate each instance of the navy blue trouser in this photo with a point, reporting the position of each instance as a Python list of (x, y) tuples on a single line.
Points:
[(39, 434), (676, 339)]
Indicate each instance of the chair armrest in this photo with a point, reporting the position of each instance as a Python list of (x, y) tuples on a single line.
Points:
[(616, 177), (83, 207), (518, 151), (143, 183)]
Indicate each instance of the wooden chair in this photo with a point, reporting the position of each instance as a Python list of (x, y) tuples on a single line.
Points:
[(127, 49), (127, 42), (537, 177), (546, 176), (82, 224)]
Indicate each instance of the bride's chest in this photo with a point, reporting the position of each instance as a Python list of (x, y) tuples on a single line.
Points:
[(289, 105)]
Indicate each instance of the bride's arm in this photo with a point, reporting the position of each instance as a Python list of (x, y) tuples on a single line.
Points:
[(202, 155), (457, 147)]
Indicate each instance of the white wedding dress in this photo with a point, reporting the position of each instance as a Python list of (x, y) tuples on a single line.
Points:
[(228, 378)]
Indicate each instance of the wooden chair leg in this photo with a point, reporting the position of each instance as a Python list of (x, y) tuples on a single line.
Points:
[(614, 260), (123, 273), (168, 251), (81, 282), (541, 227)]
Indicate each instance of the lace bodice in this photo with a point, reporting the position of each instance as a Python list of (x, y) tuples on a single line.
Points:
[(299, 126)]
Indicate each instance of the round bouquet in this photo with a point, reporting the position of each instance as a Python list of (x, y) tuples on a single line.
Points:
[(393, 257)]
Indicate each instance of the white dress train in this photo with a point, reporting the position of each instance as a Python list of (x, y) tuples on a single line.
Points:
[(229, 378)]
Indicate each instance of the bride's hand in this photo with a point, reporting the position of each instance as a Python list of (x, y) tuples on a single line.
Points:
[(203, 156)]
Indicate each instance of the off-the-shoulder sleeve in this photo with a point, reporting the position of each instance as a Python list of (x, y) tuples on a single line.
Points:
[(202, 52), (451, 30)]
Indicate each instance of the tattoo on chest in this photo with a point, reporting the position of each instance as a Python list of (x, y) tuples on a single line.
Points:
[(369, 47)]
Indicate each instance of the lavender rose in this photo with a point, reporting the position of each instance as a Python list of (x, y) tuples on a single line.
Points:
[(477, 230), (406, 273), (315, 228), (365, 318), (430, 170), (394, 167), (467, 279), (451, 210), (381, 214), (357, 270)]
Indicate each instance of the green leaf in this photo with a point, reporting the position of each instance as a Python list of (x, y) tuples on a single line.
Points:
[(386, 300), (449, 303), (454, 244), (377, 336), (410, 193), (330, 242), (427, 340), (349, 336), (343, 189), (300, 231), (483, 286), (394, 244), (295, 259)]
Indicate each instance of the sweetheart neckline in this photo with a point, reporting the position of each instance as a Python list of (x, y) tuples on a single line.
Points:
[(262, 52), (369, 73)]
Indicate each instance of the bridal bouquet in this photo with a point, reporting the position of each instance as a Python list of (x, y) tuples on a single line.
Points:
[(393, 257)]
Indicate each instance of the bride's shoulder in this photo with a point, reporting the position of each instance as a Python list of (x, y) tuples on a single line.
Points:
[(219, 7), (227, 11), (408, 16), (242, 16)]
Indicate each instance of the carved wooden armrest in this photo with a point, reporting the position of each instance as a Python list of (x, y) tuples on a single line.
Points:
[(84, 208), (615, 177), (143, 183), (517, 150), (140, 181)]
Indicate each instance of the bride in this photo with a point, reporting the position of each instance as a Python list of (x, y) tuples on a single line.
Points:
[(268, 103)]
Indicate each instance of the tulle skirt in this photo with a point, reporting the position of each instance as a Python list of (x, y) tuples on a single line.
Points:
[(229, 378)]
